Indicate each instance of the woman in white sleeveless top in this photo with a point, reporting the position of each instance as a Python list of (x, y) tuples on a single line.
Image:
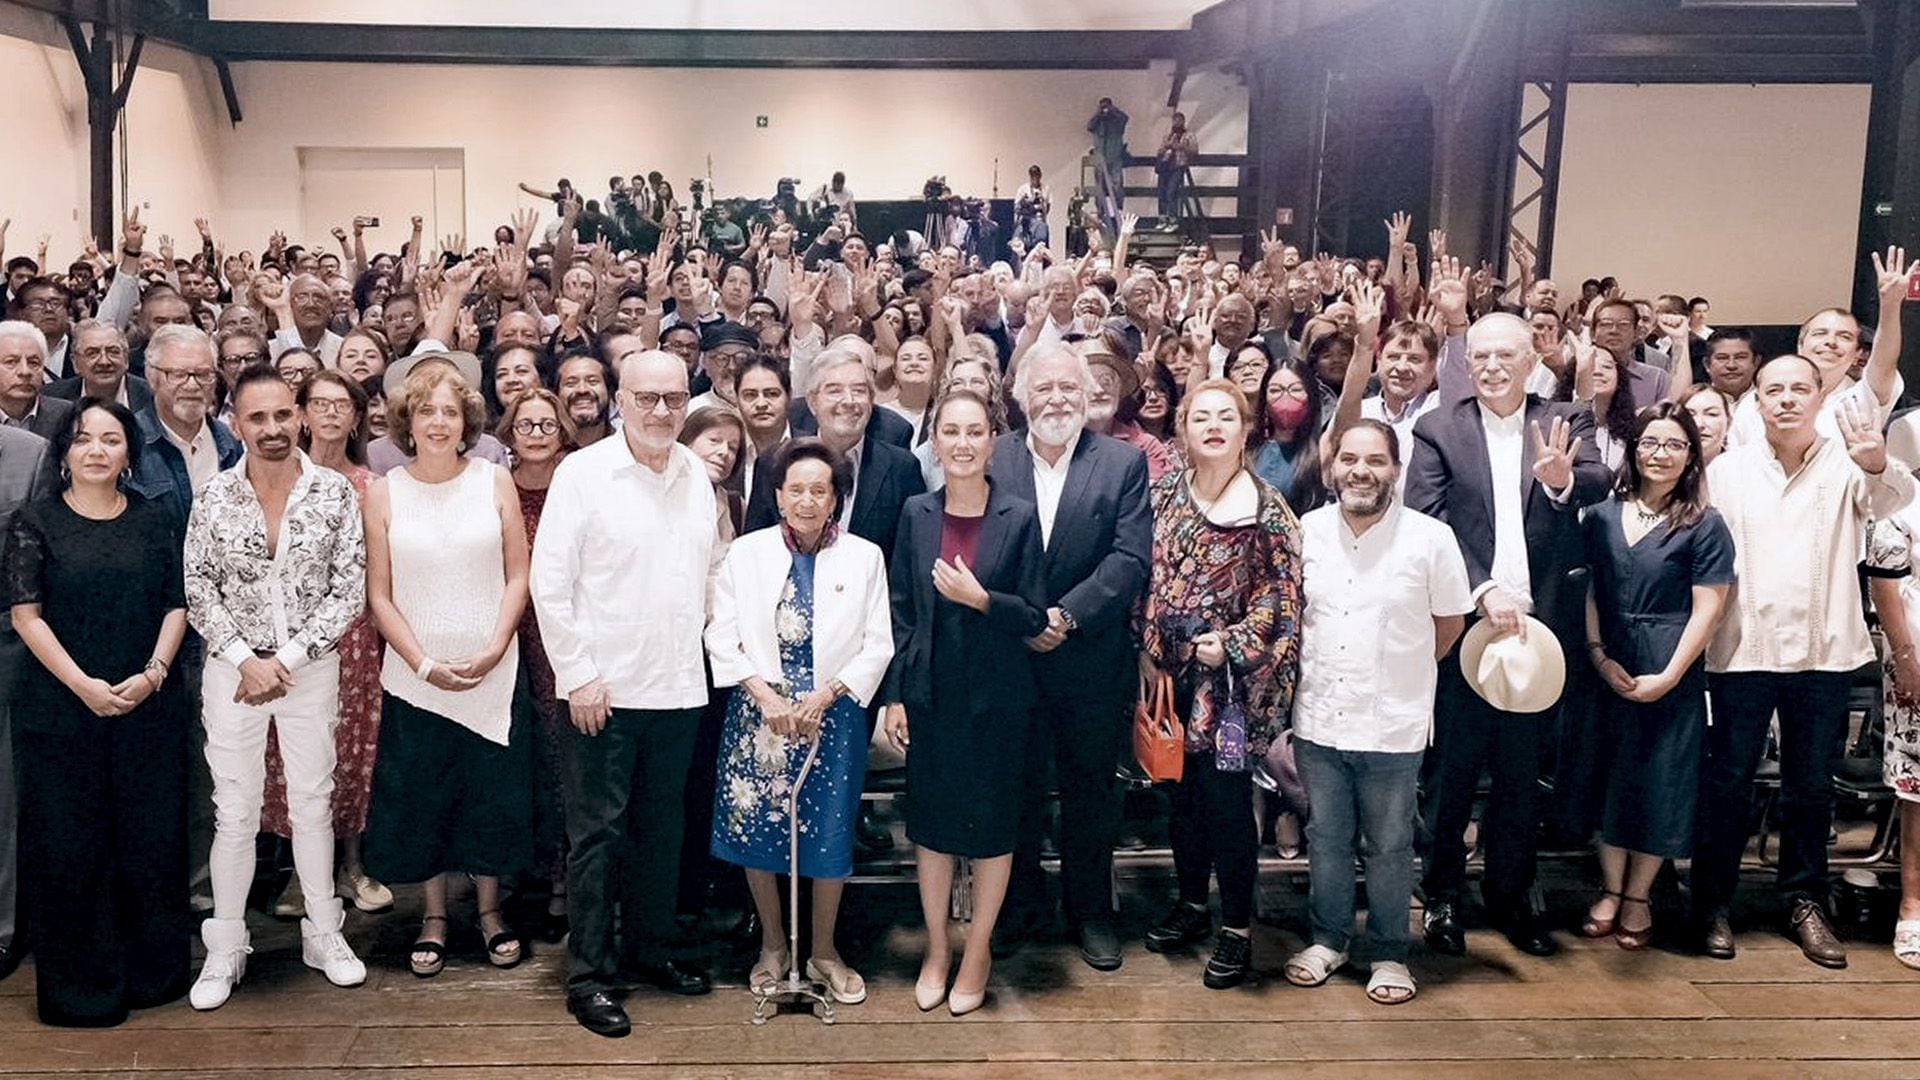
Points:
[(447, 581)]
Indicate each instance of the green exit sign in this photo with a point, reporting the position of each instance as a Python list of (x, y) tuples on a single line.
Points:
[(759, 121)]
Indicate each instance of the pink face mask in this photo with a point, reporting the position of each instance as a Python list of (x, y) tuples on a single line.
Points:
[(1286, 412)]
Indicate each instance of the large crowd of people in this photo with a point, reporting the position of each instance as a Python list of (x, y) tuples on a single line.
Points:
[(592, 564)]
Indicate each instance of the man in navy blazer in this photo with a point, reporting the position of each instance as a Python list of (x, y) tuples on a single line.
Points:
[(26, 473), (1097, 529), (1508, 473)]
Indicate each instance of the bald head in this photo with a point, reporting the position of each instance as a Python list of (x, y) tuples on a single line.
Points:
[(653, 399), (1233, 321), (312, 304)]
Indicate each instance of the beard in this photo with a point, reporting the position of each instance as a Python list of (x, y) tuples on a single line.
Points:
[(1365, 502), (1058, 430)]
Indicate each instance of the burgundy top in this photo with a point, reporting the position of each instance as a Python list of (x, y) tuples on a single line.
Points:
[(960, 536)]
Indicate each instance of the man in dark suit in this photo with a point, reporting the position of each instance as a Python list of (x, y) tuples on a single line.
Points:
[(99, 357), (1508, 473), (23, 369), (26, 472), (884, 425), (1097, 529)]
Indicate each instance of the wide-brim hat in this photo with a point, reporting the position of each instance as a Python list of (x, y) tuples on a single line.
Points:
[(1096, 353), (1511, 674), (397, 372)]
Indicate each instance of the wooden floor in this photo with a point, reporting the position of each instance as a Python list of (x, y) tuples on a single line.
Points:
[(1593, 1011)]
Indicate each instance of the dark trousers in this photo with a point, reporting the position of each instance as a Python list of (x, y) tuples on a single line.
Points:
[(103, 811), (1812, 706), (1471, 737), (1214, 834), (9, 840), (1083, 741), (625, 792)]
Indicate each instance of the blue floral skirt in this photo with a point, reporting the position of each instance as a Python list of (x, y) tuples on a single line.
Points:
[(757, 770)]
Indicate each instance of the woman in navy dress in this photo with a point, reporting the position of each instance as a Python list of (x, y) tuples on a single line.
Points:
[(801, 627), (1662, 565)]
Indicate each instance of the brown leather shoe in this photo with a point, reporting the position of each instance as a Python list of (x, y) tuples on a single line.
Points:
[(1817, 939)]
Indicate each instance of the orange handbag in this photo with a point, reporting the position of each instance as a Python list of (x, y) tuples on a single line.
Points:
[(1159, 740)]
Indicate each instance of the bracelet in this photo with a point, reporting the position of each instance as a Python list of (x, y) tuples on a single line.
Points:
[(425, 670), (156, 662), (1595, 646), (131, 253)]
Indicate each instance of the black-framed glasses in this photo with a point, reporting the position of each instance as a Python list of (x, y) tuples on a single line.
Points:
[(244, 359), (536, 427), (177, 376), (647, 400), (330, 406), (1651, 445)]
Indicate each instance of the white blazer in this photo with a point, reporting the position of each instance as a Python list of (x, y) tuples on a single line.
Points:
[(852, 617)]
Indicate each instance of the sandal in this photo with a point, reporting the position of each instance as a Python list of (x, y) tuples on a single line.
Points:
[(1599, 928), (504, 949), (434, 951), (1314, 965), (1634, 939), (844, 983), (1906, 942), (1391, 984), (768, 971)]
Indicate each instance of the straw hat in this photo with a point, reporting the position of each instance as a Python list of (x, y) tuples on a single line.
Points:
[(1514, 675)]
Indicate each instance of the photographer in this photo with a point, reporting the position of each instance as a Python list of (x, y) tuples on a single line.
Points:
[(1109, 128), (1031, 205)]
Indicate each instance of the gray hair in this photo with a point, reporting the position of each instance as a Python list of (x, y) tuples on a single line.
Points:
[(1022, 376), (20, 328), (833, 356), (96, 326), (174, 337)]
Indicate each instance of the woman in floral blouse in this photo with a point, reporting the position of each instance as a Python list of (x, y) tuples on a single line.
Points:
[(1892, 556), (1222, 618)]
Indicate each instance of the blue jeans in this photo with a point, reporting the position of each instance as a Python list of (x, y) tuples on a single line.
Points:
[(1360, 794)]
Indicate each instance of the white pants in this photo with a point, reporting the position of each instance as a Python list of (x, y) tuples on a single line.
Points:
[(237, 756)]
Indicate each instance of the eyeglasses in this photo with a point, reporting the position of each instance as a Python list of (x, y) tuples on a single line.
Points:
[(244, 359), (177, 376), (1672, 446), (647, 400), (539, 427), (330, 406), (43, 303)]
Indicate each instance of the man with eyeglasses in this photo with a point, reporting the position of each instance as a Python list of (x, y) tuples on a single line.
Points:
[(622, 567), (723, 346), (303, 310), (100, 357), (48, 305), (22, 374), (239, 350), (1508, 473), (1616, 329)]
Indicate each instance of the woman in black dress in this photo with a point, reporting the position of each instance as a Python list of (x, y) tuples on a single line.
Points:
[(94, 580), (1662, 565), (968, 590)]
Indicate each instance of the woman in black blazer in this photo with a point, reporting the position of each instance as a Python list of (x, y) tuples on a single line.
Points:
[(968, 589)]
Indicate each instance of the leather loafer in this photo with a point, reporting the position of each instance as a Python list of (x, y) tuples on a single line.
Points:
[(1099, 945), (9, 960), (1530, 937), (1808, 921), (600, 1014), (1716, 937), (673, 977), (1443, 931)]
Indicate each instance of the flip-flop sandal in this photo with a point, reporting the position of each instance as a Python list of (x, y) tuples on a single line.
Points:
[(1313, 965), (1390, 980), (1906, 942), (767, 971), (846, 985)]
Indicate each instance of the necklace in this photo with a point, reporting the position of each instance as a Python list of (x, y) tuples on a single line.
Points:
[(119, 504), (1647, 516)]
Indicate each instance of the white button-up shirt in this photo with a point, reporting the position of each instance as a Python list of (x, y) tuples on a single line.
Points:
[(1367, 669), (1747, 427), (622, 569), (202, 457), (1048, 482), (1506, 450), (1797, 541)]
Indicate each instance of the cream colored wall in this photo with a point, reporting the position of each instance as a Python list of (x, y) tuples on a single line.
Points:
[(733, 14), (889, 130), (1747, 195), (173, 124)]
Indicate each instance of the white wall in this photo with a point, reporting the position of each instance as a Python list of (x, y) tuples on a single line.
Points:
[(889, 130), (173, 124), (732, 14), (1747, 195)]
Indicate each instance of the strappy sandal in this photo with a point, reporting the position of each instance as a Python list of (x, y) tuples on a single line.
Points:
[(1314, 965), (767, 971), (1906, 942), (504, 949), (1391, 984), (1634, 939), (844, 983), (434, 951), (1599, 928)]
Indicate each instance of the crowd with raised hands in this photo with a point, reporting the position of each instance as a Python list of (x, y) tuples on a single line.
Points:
[(585, 571)]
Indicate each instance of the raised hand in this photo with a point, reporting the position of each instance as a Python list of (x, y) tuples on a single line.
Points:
[(1437, 244), (1397, 228), (1448, 291), (205, 228), (133, 234), (804, 305), (1674, 325), (339, 234), (1522, 253), (1585, 356), (466, 331), (1865, 445), (1369, 306), (1129, 221), (166, 250), (1892, 274), (526, 222), (1553, 455), (657, 271)]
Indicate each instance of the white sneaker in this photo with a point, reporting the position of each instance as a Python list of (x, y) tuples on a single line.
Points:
[(226, 964), (367, 894), (327, 951)]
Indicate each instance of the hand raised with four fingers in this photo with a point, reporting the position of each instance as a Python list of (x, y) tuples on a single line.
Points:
[(1553, 454)]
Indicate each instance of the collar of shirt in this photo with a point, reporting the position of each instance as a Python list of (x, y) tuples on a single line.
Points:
[(202, 441), (1058, 468), (676, 465), (1509, 426)]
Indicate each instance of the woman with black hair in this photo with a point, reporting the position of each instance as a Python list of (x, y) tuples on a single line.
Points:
[(1286, 434), (1662, 565), (102, 735), (1593, 379)]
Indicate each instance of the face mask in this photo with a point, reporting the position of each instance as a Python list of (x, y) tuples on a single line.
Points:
[(1286, 412)]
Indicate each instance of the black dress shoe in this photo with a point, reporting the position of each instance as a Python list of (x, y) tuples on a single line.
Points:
[(1530, 935), (673, 977), (1099, 945), (10, 957), (1716, 937), (600, 1014), (871, 834), (1444, 934)]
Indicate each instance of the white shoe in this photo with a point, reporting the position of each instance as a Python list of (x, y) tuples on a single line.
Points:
[(367, 894), (327, 951), (226, 964), (292, 903)]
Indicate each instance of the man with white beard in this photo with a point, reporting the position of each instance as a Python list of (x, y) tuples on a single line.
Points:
[(1097, 530), (1386, 596)]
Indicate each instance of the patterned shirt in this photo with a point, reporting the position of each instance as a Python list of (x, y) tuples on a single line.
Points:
[(294, 601)]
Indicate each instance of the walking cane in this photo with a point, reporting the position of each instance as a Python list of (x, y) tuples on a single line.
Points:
[(794, 989)]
